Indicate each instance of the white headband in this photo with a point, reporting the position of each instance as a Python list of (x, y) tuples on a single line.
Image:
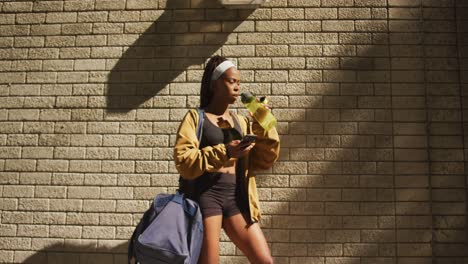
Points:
[(221, 68)]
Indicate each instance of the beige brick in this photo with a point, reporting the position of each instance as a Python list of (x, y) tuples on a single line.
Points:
[(134, 180), (17, 6), (50, 192), (101, 153), (321, 38), (238, 50), (135, 153), (287, 38), (86, 140), (303, 3), (257, 14), (115, 219), (33, 204), (76, 52), (119, 140), (288, 63), (98, 232), (305, 76), (78, 5), (97, 40), (15, 243), (118, 166), (48, 6), (11, 127), (37, 152), (339, 25), (321, 13), (271, 76), (83, 192), (15, 30), (11, 77), (45, 30), (337, 3), (20, 165), (30, 18), (29, 42), (23, 114), (151, 166), (116, 193), (67, 179), (370, 2), (325, 249), (99, 206), (33, 230), (148, 192), (37, 77), (375, 26), (271, 50), (254, 38), (132, 206), (108, 28), (287, 13), (60, 231), (304, 26), (58, 17), (18, 191), (35, 178), (7, 19), (85, 166), (101, 179), (110, 5)]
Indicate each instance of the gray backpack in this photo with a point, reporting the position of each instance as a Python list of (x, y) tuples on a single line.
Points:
[(171, 230)]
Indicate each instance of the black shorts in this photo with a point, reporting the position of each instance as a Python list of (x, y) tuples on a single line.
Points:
[(220, 197)]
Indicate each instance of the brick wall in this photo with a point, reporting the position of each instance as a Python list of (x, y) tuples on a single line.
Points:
[(368, 94)]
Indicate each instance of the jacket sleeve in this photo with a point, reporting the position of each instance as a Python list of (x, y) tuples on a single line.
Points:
[(190, 161), (267, 147)]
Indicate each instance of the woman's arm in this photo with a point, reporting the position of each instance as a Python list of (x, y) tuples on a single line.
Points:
[(267, 147), (191, 161)]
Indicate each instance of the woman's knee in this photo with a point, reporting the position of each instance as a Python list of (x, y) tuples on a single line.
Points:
[(265, 259)]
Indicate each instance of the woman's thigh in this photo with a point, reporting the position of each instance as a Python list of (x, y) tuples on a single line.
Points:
[(249, 239), (210, 248)]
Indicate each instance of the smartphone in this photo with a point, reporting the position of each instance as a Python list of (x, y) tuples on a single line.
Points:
[(248, 138)]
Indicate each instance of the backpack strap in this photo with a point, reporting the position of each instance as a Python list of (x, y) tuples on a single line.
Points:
[(201, 119), (199, 133)]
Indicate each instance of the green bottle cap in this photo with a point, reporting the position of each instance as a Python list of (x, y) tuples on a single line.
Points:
[(247, 97)]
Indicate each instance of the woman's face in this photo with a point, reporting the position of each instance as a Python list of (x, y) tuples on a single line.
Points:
[(227, 87)]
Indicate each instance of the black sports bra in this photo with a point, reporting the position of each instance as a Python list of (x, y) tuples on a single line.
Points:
[(214, 135)]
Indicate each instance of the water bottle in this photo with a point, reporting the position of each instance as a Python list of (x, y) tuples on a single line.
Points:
[(260, 112)]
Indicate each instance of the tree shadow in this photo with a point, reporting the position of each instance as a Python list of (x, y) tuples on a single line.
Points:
[(91, 252), (181, 39), (374, 184)]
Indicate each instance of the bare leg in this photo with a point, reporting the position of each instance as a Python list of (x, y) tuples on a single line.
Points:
[(250, 240), (210, 248)]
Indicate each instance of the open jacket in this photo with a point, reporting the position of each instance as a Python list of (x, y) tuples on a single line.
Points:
[(192, 162)]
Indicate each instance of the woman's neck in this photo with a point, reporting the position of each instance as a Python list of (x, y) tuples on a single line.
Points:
[(217, 109)]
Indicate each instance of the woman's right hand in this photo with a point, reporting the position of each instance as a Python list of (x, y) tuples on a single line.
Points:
[(236, 149)]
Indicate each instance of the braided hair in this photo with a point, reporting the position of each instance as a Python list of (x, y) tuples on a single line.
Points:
[(206, 91)]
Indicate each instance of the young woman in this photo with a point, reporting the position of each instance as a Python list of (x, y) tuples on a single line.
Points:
[(222, 167)]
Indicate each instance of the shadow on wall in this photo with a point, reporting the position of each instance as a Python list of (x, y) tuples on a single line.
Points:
[(182, 38), (80, 254), (367, 184)]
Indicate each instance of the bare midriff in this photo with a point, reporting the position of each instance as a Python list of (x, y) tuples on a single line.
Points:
[(230, 165)]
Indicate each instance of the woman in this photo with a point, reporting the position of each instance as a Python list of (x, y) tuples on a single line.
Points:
[(222, 167)]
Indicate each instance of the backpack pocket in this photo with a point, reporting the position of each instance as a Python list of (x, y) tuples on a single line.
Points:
[(150, 255)]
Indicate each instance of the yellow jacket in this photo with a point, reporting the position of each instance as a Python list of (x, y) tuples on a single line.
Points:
[(191, 162)]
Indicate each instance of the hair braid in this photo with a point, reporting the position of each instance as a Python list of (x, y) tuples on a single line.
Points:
[(206, 90)]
